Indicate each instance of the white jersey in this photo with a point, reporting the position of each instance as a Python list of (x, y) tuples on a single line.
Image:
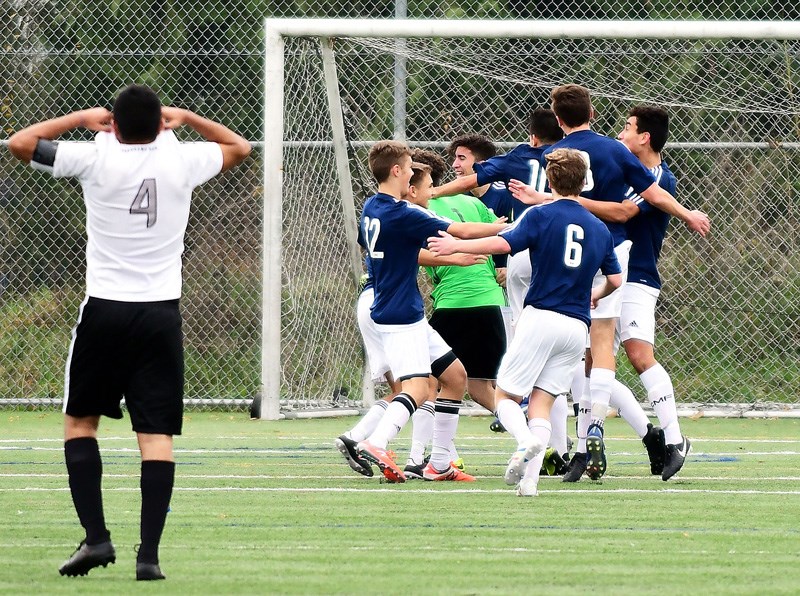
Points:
[(137, 209)]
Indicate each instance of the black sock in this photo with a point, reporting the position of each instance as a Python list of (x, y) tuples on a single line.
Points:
[(158, 477), (85, 470)]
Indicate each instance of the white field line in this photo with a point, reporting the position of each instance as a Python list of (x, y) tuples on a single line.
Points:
[(365, 479), (323, 441), (326, 450), (507, 492)]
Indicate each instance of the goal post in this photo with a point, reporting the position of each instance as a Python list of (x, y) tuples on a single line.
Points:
[(728, 328)]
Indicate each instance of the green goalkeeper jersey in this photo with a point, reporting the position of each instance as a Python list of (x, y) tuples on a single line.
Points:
[(464, 287)]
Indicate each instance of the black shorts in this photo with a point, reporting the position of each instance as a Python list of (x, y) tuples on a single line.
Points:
[(477, 336), (130, 349)]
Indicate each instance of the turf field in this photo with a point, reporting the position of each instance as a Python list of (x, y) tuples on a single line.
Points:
[(271, 508)]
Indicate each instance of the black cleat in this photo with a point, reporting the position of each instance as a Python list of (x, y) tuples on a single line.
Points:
[(596, 453), (347, 447), (653, 441), (148, 572), (414, 472), (553, 464), (88, 556), (676, 456), (496, 426), (575, 468)]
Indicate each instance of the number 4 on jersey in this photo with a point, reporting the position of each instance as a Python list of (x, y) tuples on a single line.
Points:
[(146, 201)]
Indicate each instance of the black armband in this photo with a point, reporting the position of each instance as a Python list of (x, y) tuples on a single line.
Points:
[(45, 153)]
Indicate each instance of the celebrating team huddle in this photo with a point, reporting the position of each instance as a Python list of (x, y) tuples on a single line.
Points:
[(579, 214)]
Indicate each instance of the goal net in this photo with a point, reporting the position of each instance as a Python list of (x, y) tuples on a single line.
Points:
[(728, 320)]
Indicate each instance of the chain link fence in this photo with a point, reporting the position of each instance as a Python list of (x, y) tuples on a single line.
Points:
[(729, 315)]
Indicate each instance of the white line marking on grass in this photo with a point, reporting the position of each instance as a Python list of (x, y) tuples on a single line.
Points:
[(506, 491), (317, 441), (304, 451), (365, 479)]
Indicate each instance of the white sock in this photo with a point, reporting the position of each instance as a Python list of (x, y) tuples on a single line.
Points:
[(421, 433), (661, 394), (540, 430), (578, 382), (393, 421), (453, 451), (445, 424), (629, 408), (368, 421), (600, 383), (558, 420), (511, 417)]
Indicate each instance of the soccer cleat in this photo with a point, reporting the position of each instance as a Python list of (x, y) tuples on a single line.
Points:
[(519, 459), (414, 471), (596, 453), (458, 463), (676, 456), (383, 459), (553, 464), (450, 474), (653, 441), (496, 426), (347, 447), (527, 487), (88, 556), (148, 572), (576, 468)]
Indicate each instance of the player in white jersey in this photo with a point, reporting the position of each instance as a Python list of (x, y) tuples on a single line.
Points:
[(137, 182)]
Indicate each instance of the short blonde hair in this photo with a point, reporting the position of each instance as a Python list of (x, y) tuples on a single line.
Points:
[(566, 171)]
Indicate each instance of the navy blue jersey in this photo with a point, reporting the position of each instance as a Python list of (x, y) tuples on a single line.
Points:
[(612, 170), (568, 245), (647, 231), (522, 163), (393, 232)]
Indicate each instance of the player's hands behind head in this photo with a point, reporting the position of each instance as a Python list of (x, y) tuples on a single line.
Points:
[(173, 117), (96, 119)]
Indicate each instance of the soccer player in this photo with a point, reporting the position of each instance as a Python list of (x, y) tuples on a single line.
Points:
[(378, 363), (645, 134), (467, 301), (393, 231), (568, 245), (137, 182), (612, 170)]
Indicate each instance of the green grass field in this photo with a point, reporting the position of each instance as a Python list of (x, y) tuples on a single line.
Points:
[(271, 508)]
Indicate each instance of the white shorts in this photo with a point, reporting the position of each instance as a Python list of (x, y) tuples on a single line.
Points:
[(410, 349), (546, 349), (638, 318), (373, 346), (610, 307), (518, 280)]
